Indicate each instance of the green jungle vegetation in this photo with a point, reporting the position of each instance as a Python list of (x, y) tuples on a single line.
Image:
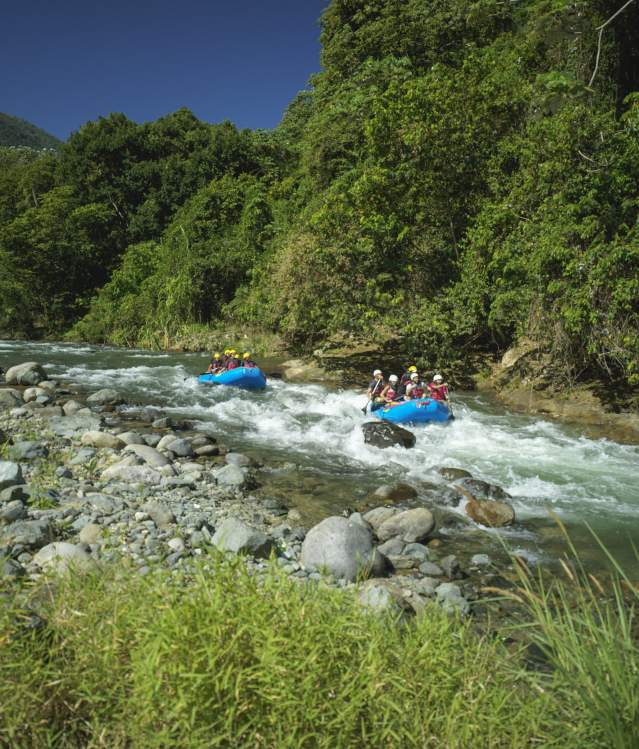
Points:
[(458, 175), (225, 658), (17, 132)]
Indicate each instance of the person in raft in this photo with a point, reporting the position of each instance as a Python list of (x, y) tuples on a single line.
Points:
[(415, 389), (216, 364), (233, 361), (405, 379), (389, 393), (438, 389), (247, 361), (376, 386)]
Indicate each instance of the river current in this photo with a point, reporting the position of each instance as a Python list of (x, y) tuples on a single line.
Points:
[(314, 456)]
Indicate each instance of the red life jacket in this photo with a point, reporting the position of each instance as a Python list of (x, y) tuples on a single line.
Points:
[(438, 392), (417, 392), (391, 394)]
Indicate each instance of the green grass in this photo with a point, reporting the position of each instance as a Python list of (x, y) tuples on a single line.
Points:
[(231, 661)]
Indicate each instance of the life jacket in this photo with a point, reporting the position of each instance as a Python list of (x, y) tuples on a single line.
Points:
[(438, 392), (232, 363), (417, 392), (249, 364), (405, 379), (376, 387), (391, 394)]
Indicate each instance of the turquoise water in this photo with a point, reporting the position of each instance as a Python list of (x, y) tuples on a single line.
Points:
[(310, 440)]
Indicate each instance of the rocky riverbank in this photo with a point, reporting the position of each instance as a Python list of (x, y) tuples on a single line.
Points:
[(85, 481)]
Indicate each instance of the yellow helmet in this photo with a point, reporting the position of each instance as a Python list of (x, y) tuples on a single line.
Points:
[(233, 352), (216, 355), (412, 368), (227, 351), (246, 355)]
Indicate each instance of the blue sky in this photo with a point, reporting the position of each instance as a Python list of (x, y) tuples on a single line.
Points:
[(67, 62)]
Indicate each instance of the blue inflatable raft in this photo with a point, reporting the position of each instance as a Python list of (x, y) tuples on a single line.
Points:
[(415, 412), (248, 378)]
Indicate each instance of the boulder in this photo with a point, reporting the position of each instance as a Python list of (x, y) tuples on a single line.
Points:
[(399, 492), (237, 459), (10, 398), (238, 537), (101, 439), (69, 426), (29, 373), (29, 533), (410, 525), (131, 438), (28, 450), (132, 474), (71, 407), (207, 451), (11, 493), (453, 474), (385, 434), (31, 394), (159, 513), (481, 489), (165, 441), (12, 511), (181, 448), (149, 455), (10, 474), (490, 513), (377, 516), (105, 397), (342, 548), (61, 556)]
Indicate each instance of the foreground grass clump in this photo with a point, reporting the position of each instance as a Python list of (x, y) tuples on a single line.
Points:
[(227, 661)]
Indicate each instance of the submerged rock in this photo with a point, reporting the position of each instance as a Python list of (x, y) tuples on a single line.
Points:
[(384, 434), (453, 474)]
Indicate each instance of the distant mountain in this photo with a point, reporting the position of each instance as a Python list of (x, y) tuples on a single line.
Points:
[(17, 132)]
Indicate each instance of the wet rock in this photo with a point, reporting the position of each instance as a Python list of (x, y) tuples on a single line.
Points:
[(342, 548), (101, 440), (12, 511), (410, 525), (480, 560), (482, 489), (10, 398), (453, 474), (490, 513), (10, 474), (29, 373), (69, 426), (384, 434), (395, 492), (28, 450), (240, 538), (149, 455), (61, 556), (105, 397), (160, 513), (451, 599), (237, 459)]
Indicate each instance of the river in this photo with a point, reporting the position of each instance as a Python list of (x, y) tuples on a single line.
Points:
[(314, 456)]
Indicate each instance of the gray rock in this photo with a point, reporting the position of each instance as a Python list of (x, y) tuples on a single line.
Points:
[(90, 534), (206, 451), (152, 439), (10, 474), (490, 513), (418, 551), (480, 560), (10, 569), (28, 450), (238, 537), (342, 548), (84, 455), (104, 504), (61, 556), (181, 447), (482, 489), (31, 394), (11, 493), (131, 438), (101, 439), (392, 547), (232, 477), (410, 525), (381, 597), (237, 459), (71, 407), (149, 455), (431, 569), (12, 511), (385, 434), (62, 472), (426, 586), (10, 398), (32, 534), (69, 426), (451, 599), (451, 567), (176, 544), (453, 474), (379, 515), (105, 397), (132, 474), (161, 515), (29, 373)]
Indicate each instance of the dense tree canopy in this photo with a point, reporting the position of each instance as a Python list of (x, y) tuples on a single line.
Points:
[(458, 175)]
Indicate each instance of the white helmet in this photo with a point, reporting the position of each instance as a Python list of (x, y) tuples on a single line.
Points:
[(376, 372), (393, 378), (438, 378), (414, 376)]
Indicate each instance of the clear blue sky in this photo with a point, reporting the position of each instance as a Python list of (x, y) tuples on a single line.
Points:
[(64, 62)]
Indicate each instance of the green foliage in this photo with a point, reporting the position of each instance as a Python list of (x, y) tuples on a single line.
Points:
[(227, 660)]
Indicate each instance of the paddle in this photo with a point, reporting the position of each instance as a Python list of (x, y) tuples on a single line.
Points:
[(372, 395)]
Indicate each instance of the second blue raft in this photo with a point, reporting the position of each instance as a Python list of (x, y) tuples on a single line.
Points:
[(415, 412), (247, 378)]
